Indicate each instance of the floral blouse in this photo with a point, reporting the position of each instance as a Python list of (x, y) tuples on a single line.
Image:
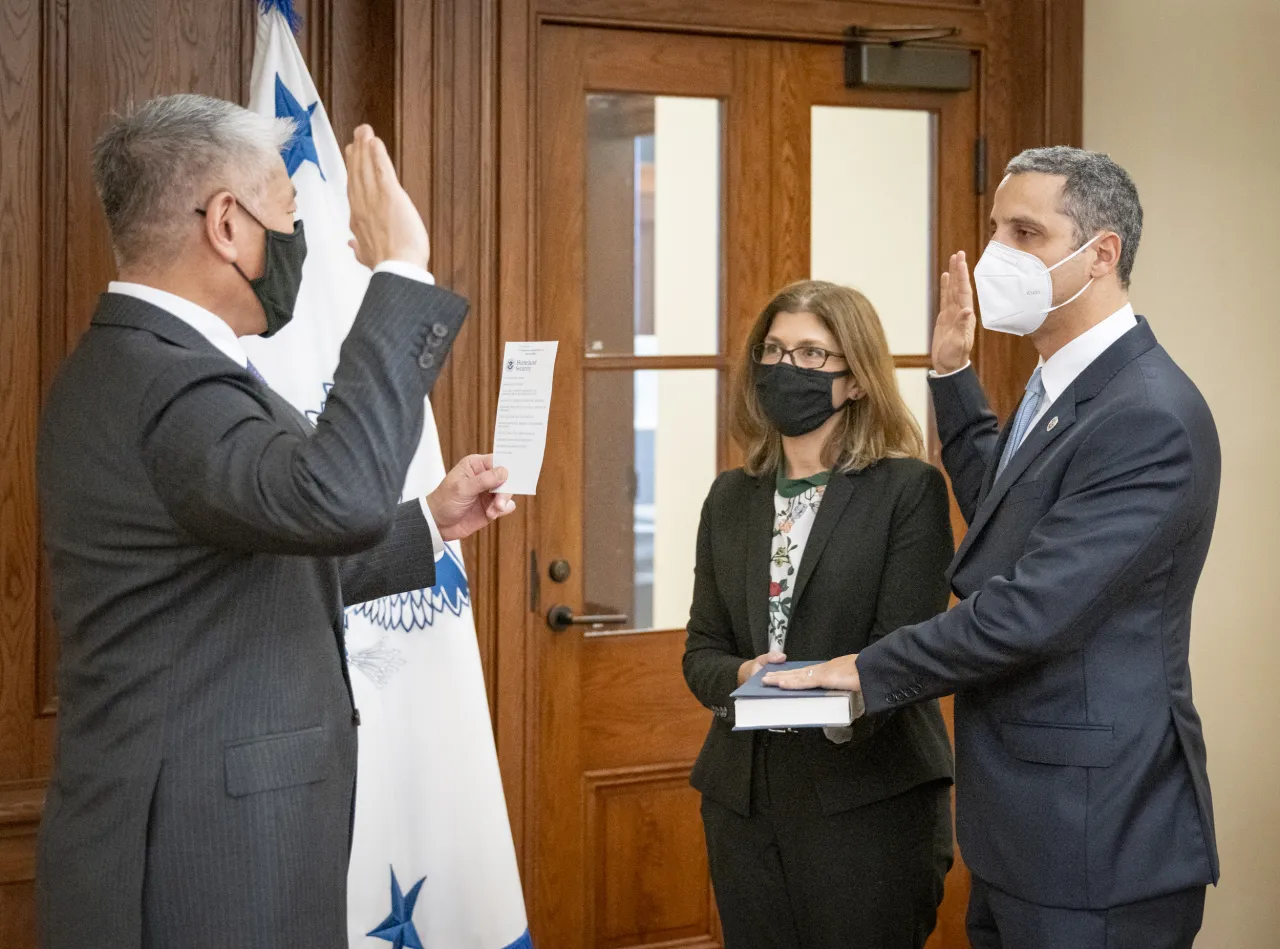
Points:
[(795, 508)]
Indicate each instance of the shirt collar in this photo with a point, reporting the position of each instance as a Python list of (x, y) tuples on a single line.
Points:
[(1065, 366), (794, 487), (207, 324)]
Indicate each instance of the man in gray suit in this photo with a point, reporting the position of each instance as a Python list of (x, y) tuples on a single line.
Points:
[(1082, 799), (204, 537)]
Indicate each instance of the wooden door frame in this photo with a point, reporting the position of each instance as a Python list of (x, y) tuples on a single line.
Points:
[(465, 130)]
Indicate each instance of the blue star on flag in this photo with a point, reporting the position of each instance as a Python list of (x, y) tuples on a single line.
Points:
[(398, 928), (302, 147)]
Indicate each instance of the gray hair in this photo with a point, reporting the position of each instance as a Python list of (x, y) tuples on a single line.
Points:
[(1098, 196), (156, 164)]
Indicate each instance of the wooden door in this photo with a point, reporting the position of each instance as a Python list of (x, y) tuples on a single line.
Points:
[(641, 162), (679, 181)]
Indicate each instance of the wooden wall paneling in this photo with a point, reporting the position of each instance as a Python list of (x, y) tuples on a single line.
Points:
[(447, 109), (21, 213), (1063, 44), (50, 317), (413, 97), (775, 19), (119, 53), (515, 689), (355, 43)]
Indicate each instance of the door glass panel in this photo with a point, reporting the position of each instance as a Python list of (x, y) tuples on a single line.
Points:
[(914, 386), (873, 212), (652, 225), (649, 460)]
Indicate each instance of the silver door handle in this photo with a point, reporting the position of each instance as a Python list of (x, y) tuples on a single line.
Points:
[(561, 618)]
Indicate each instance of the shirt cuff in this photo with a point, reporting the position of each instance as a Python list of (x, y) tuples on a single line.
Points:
[(948, 375), (437, 542), (402, 268)]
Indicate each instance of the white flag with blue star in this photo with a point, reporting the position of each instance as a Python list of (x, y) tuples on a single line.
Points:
[(432, 862)]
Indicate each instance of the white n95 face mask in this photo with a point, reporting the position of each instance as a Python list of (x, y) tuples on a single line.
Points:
[(1015, 289)]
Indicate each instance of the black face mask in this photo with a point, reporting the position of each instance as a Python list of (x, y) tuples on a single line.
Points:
[(796, 400), (277, 288)]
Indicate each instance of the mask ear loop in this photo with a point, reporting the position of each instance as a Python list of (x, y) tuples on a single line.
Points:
[(1074, 253)]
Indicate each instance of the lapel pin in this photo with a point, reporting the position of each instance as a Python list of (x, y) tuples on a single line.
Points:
[(1053, 423)]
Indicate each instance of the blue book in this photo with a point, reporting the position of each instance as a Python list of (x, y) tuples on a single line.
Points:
[(757, 705)]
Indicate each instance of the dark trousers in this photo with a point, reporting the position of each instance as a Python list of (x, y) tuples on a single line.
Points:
[(1000, 921), (791, 877)]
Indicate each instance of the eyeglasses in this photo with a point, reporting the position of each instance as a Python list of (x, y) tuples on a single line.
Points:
[(802, 357)]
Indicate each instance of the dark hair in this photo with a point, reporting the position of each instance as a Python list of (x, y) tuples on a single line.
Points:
[(1098, 196)]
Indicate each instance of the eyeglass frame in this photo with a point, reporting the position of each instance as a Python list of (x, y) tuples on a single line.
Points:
[(758, 348)]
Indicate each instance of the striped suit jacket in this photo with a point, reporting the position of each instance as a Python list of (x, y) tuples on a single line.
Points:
[(203, 540)]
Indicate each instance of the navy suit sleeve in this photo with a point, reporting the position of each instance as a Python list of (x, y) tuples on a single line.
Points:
[(969, 433), (233, 476), (913, 583), (1122, 505), (711, 659), (404, 561)]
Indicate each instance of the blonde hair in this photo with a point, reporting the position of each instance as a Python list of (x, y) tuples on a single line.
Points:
[(878, 425)]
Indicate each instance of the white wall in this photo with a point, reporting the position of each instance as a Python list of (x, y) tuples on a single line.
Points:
[(1186, 96)]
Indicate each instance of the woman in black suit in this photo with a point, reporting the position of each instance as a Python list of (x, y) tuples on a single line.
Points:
[(833, 533)]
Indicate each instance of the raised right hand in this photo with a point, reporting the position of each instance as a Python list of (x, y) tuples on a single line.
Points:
[(752, 666), (386, 224), (953, 333)]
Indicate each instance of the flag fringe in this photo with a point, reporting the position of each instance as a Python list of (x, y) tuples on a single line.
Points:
[(286, 10)]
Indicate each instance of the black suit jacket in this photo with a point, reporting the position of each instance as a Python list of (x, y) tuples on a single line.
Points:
[(875, 559), (203, 540), (1081, 778)]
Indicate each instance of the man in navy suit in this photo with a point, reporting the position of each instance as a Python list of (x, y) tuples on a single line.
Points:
[(1083, 805)]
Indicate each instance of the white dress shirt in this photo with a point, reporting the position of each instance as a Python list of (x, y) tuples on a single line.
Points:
[(218, 332), (1064, 367)]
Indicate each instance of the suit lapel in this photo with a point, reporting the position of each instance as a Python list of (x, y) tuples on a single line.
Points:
[(1060, 417), (989, 481), (759, 551), (834, 500)]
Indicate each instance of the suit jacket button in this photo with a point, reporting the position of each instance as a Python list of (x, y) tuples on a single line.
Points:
[(435, 342), (355, 717), (426, 360), (440, 330)]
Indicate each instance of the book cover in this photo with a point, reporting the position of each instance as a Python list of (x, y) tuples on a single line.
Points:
[(757, 705), (754, 688)]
